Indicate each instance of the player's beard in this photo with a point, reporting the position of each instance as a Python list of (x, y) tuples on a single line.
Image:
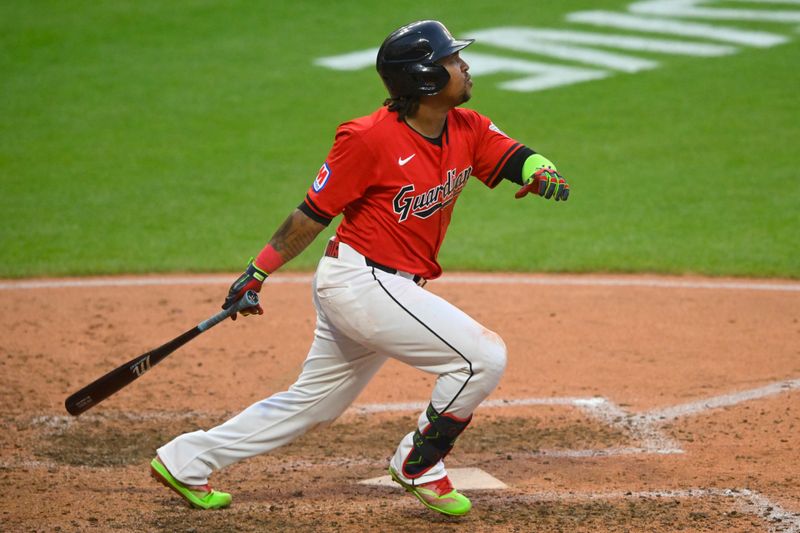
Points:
[(466, 94)]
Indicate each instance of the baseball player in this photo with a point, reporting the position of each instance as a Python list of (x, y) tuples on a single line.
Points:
[(395, 176)]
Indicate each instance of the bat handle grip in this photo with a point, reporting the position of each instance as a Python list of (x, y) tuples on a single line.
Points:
[(250, 299)]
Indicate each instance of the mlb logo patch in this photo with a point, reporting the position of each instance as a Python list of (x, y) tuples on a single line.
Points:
[(322, 177), (494, 128)]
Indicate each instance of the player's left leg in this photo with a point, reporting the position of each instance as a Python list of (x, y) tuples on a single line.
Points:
[(469, 360), (395, 317)]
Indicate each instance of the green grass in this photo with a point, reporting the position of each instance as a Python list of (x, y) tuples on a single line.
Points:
[(147, 136)]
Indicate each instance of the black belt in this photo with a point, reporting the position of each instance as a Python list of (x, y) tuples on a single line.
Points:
[(332, 250)]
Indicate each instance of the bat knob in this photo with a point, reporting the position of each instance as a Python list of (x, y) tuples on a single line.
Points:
[(250, 298)]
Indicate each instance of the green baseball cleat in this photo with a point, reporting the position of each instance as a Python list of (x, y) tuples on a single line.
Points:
[(438, 495), (200, 497)]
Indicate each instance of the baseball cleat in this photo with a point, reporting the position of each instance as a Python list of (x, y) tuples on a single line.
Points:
[(438, 495), (200, 496)]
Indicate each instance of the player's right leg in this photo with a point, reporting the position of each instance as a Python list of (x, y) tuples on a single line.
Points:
[(392, 315)]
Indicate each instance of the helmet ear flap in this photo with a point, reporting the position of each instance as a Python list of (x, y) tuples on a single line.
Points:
[(430, 78)]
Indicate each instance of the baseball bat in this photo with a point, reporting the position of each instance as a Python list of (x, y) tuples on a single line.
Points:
[(124, 375)]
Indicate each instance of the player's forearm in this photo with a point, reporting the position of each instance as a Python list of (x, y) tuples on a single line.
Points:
[(292, 237)]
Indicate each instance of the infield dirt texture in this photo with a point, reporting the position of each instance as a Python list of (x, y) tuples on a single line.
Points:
[(629, 404), (149, 137)]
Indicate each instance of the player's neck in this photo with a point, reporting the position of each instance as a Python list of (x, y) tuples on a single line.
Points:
[(429, 120)]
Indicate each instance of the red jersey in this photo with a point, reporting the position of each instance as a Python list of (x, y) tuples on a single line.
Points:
[(397, 189)]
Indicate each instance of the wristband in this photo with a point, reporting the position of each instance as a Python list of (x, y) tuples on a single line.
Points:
[(534, 163), (268, 260)]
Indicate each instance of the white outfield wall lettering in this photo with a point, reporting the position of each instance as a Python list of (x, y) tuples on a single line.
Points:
[(610, 19), (690, 8)]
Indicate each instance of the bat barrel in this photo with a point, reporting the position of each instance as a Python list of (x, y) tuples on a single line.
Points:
[(124, 375)]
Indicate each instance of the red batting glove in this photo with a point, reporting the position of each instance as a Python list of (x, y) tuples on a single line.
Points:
[(252, 279), (546, 182)]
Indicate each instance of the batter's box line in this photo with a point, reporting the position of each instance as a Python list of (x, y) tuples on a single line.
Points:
[(668, 414), (646, 427)]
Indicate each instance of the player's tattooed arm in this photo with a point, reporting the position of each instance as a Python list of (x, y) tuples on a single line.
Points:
[(295, 234)]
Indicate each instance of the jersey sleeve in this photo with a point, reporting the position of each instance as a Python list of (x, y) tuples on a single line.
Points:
[(341, 179), (497, 155)]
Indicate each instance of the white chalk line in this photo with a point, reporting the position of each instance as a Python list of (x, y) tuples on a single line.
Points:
[(597, 453), (649, 435), (370, 408), (646, 427), (725, 400), (759, 505), (455, 279)]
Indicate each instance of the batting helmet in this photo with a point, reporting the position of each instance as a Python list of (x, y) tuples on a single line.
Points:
[(407, 58)]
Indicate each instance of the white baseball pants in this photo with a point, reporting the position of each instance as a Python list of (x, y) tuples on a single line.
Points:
[(364, 316)]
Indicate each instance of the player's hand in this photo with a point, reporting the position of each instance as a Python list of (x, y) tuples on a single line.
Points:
[(546, 182), (252, 279)]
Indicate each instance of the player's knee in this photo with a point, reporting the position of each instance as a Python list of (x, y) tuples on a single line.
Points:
[(490, 363)]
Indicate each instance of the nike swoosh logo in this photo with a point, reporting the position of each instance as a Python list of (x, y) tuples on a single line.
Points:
[(401, 161)]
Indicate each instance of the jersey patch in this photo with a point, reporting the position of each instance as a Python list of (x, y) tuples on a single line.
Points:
[(495, 129), (322, 178)]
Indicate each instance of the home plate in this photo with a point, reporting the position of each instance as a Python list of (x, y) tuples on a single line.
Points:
[(462, 478)]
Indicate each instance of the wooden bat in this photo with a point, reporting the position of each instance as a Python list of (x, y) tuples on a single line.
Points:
[(124, 375)]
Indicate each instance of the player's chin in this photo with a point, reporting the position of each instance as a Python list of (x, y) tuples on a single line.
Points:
[(467, 93)]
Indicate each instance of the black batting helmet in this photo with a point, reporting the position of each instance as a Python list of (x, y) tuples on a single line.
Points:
[(407, 58)]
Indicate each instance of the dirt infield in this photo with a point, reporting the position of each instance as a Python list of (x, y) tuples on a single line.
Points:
[(629, 404)]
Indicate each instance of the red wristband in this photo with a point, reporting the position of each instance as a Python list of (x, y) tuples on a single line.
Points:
[(269, 260)]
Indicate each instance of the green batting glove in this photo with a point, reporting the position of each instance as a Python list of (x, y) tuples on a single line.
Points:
[(541, 177)]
